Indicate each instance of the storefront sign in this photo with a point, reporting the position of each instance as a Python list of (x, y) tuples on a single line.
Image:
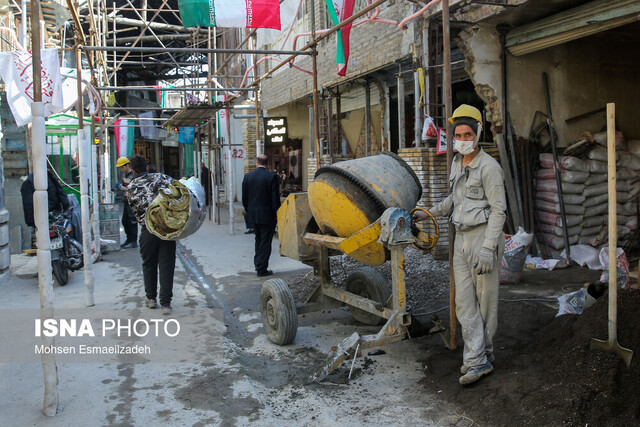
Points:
[(275, 130)]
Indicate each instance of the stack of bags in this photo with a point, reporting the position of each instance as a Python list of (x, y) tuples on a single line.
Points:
[(574, 175), (586, 195)]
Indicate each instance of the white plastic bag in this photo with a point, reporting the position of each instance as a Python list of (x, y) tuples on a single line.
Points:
[(622, 270), (515, 253), (585, 255), (575, 302)]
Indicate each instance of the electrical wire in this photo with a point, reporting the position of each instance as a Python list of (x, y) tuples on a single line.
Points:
[(501, 299)]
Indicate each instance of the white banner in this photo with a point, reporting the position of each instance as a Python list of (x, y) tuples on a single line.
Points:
[(17, 72)]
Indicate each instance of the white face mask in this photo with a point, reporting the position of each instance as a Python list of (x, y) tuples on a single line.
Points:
[(464, 147)]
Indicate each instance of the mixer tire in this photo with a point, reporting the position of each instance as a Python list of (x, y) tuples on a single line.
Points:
[(369, 283), (278, 312)]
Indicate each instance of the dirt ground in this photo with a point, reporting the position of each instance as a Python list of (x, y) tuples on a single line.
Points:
[(545, 372)]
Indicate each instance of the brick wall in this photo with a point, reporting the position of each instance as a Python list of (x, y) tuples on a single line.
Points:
[(249, 141), (431, 169), (372, 46)]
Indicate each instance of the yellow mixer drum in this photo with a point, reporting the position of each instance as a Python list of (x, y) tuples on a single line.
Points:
[(348, 196)]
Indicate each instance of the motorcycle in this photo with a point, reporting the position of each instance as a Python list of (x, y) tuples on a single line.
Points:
[(66, 252)]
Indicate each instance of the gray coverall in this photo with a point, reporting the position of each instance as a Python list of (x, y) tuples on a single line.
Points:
[(476, 207)]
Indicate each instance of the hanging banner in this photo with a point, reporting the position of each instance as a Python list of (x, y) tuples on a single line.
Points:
[(230, 13), (16, 71), (222, 119)]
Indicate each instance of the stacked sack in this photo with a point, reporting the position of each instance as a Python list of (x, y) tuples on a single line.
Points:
[(574, 174), (586, 195)]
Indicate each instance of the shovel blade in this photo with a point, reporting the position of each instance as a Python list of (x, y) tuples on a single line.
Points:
[(612, 346)]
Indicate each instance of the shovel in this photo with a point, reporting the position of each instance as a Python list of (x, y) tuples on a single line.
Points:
[(611, 345)]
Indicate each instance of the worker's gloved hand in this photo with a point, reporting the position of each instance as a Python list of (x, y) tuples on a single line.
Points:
[(419, 215), (484, 261)]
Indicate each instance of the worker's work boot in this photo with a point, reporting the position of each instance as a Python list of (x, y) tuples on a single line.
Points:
[(490, 358), (475, 373), (151, 303)]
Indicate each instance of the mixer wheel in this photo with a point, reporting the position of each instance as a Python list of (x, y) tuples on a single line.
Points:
[(278, 312), (368, 283)]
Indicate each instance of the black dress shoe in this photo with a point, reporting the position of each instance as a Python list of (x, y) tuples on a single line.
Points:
[(265, 273), (249, 231)]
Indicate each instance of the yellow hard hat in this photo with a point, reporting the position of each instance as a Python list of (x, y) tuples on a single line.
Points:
[(466, 111), (122, 161)]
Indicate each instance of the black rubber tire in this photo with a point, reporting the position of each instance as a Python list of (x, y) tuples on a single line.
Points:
[(75, 253), (278, 312), (60, 272), (368, 283)]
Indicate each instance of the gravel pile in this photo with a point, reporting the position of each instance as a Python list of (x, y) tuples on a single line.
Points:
[(427, 280)]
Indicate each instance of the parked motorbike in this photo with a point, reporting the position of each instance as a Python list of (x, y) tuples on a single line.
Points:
[(66, 252)]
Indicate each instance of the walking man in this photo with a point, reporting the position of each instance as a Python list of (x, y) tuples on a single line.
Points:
[(261, 200), (476, 207), (129, 221), (157, 255)]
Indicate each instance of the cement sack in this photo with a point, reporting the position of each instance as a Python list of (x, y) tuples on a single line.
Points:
[(628, 160), (629, 208), (596, 166), (597, 210), (601, 138), (596, 200), (633, 145), (596, 190), (555, 208), (595, 240), (622, 269), (575, 302), (556, 218), (592, 221), (556, 242), (515, 253), (574, 177), (571, 163), (624, 232), (559, 231), (596, 178), (621, 186), (177, 211), (598, 153), (591, 231), (546, 160), (572, 199), (623, 174), (552, 186)]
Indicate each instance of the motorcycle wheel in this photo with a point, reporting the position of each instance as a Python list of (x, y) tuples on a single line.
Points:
[(60, 272)]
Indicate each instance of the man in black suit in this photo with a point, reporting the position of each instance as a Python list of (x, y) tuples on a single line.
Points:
[(261, 200)]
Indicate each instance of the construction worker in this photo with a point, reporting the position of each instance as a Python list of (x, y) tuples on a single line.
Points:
[(129, 221), (476, 207)]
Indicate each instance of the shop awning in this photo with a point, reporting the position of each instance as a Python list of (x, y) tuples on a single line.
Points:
[(195, 115), (582, 21)]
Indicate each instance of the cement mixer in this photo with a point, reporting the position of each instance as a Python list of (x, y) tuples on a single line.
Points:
[(361, 208)]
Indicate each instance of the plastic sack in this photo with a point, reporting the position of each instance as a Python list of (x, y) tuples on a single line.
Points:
[(590, 231), (555, 208), (570, 199), (601, 138), (623, 174), (559, 231), (573, 164), (596, 200), (628, 160), (592, 221), (596, 210), (556, 218), (575, 302), (538, 263), (633, 145), (515, 253), (622, 271), (575, 177), (597, 166), (596, 178), (594, 240), (546, 160), (429, 129), (598, 153), (177, 211), (556, 242), (551, 185), (596, 190)]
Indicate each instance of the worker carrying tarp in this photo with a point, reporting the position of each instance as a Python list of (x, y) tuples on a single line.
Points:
[(476, 207)]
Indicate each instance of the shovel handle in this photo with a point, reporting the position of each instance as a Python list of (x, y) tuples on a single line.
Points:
[(613, 226)]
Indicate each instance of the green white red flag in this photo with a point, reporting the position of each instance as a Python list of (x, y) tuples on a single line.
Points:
[(230, 13), (340, 10)]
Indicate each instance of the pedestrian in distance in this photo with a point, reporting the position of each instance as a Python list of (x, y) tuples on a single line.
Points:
[(158, 255), (476, 207), (261, 200), (129, 221)]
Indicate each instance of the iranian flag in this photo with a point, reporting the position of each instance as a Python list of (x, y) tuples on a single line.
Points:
[(339, 10), (230, 13)]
